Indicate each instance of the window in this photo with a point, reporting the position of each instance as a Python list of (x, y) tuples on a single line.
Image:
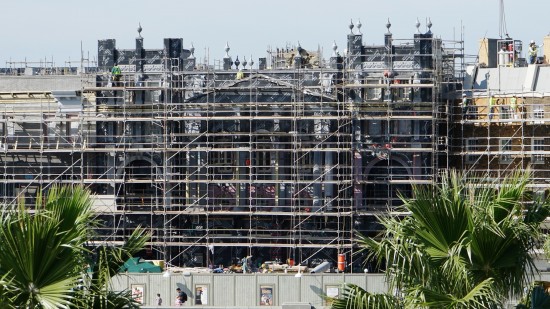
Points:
[(472, 145), (221, 159), (376, 130), (538, 113), (505, 112), (404, 127), (538, 151), (304, 162), (505, 148), (263, 155)]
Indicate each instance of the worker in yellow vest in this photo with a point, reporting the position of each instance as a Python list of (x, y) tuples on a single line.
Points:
[(514, 106), (240, 74), (492, 102), (533, 52)]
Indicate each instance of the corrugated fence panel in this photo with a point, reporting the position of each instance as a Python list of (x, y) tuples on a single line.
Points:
[(357, 280), (224, 290), (243, 291), (312, 289), (376, 283), (289, 289), (160, 285), (120, 283)]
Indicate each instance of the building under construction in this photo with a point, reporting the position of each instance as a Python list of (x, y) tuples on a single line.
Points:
[(502, 124), (282, 157)]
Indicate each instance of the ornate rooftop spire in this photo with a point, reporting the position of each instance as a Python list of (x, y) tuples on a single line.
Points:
[(139, 30), (227, 50), (192, 50)]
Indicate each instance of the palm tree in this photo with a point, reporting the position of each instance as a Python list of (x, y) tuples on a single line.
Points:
[(464, 244), (44, 254), (104, 263)]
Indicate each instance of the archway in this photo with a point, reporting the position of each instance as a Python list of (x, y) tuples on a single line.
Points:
[(138, 189), (386, 182)]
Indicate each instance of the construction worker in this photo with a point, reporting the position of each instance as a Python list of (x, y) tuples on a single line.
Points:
[(240, 74), (514, 106), (465, 104), (492, 102), (115, 75), (533, 52)]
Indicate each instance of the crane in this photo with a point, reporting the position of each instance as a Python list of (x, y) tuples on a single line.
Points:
[(502, 30)]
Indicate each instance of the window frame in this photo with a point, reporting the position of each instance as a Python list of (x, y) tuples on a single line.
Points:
[(535, 146), (505, 144)]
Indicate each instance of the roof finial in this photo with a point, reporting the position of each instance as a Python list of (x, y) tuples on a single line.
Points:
[(192, 50), (388, 25), (429, 25), (139, 30), (227, 50), (334, 49), (351, 26), (251, 63), (417, 25), (359, 26)]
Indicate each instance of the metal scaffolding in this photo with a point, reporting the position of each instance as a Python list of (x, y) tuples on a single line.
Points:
[(286, 160)]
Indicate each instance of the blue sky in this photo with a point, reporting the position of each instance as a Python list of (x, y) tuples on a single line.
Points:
[(37, 29)]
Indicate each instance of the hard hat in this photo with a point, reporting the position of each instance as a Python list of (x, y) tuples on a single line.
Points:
[(532, 42)]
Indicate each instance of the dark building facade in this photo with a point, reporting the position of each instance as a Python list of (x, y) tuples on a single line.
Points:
[(281, 157)]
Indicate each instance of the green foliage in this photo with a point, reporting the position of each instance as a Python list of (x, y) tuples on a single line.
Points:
[(42, 253), (355, 297), (44, 258), (106, 262), (464, 244)]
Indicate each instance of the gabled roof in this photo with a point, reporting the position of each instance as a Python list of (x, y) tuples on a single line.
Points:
[(259, 82)]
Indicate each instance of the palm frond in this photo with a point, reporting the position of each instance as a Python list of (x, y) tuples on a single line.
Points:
[(354, 297), (466, 243)]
